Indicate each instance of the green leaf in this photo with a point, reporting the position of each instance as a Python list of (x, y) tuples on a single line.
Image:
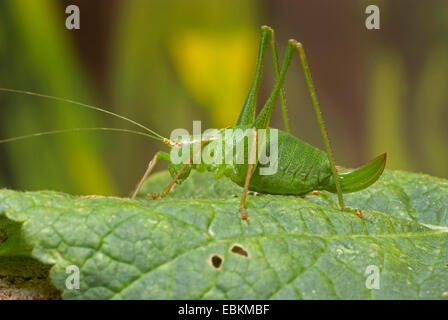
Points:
[(194, 245)]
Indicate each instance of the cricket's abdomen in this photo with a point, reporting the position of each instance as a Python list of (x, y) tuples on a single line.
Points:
[(301, 168)]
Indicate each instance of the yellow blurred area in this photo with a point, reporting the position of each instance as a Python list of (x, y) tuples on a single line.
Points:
[(216, 68), (386, 109)]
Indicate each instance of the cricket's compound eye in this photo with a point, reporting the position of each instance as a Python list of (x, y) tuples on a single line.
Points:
[(179, 144)]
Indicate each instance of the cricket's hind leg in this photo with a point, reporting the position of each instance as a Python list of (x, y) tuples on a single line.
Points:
[(247, 115), (277, 76), (358, 212), (312, 91)]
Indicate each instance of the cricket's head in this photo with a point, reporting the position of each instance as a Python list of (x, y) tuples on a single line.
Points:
[(186, 140)]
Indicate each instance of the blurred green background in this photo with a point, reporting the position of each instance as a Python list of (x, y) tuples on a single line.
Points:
[(167, 63)]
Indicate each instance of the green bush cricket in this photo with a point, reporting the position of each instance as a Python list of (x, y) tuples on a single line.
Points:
[(302, 168)]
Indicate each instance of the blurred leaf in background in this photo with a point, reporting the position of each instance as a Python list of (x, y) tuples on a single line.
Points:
[(431, 113), (386, 108), (408, 99), (216, 68), (380, 90), (37, 56)]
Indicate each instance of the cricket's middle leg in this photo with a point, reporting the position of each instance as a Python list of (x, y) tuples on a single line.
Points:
[(250, 169)]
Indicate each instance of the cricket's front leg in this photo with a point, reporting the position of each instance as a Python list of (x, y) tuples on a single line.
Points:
[(159, 155), (168, 188)]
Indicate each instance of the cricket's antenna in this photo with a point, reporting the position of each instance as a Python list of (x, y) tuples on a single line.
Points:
[(46, 133), (84, 105)]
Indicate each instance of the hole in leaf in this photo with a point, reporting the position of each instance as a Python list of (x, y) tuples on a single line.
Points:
[(216, 261), (239, 250)]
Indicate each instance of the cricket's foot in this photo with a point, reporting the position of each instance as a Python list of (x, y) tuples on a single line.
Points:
[(91, 196), (244, 214), (358, 212)]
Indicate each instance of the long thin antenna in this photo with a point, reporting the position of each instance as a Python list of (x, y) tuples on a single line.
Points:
[(82, 105), (46, 133)]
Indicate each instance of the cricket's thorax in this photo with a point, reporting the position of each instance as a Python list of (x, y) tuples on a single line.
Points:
[(301, 168)]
